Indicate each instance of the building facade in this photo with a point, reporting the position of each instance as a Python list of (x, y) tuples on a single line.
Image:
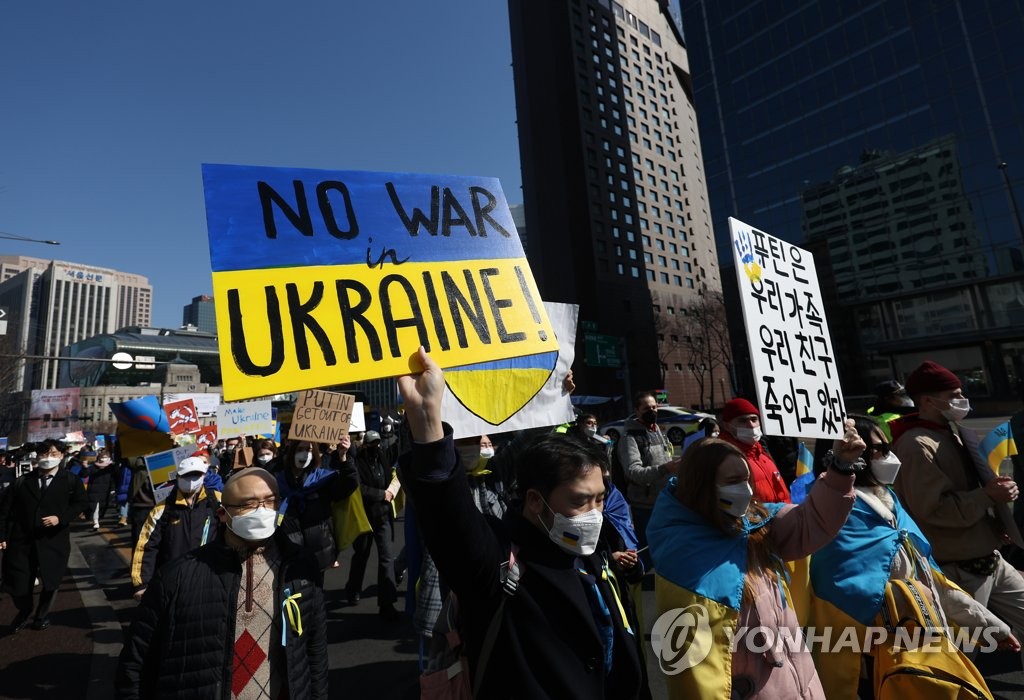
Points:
[(885, 137), (617, 217), (52, 304), (200, 314)]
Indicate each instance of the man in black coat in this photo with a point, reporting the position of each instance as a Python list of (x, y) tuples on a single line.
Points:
[(242, 616), (35, 515), (568, 631)]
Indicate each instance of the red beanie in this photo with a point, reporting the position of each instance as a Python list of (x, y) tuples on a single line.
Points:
[(737, 408), (929, 378)]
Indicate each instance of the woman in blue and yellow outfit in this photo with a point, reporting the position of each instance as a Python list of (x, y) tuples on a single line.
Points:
[(879, 542), (720, 554)]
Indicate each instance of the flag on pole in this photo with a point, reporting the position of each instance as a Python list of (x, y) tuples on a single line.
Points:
[(998, 445), (804, 475)]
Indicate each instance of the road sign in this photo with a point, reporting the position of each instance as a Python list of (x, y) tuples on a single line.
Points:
[(602, 350), (3, 321)]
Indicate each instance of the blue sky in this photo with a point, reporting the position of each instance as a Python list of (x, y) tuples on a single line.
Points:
[(109, 108)]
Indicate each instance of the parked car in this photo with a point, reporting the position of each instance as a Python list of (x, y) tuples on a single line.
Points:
[(674, 421)]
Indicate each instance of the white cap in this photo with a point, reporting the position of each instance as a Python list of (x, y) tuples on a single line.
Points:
[(191, 465)]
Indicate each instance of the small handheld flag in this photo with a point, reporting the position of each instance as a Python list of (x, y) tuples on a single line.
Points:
[(998, 445), (804, 475)]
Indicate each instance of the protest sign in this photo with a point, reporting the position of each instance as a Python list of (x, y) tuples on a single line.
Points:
[(182, 417), (205, 404), (488, 386), (161, 467), (244, 418), (790, 348), (358, 424), (206, 438), (53, 413), (366, 268), (321, 416)]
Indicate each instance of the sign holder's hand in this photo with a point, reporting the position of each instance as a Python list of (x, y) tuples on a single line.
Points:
[(422, 396), (851, 446), (50, 521)]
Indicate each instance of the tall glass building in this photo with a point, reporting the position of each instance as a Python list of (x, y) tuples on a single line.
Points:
[(887, 137)]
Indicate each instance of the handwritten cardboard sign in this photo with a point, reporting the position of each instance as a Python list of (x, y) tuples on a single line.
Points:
[(366, 268), (321, 416), (244, 418), (790, 347), (162, 468)]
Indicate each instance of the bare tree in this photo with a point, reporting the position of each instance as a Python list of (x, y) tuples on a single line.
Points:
[(705, 340), (13, 401)]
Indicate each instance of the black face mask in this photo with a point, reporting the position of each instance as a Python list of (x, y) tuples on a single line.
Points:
[(649, 417)]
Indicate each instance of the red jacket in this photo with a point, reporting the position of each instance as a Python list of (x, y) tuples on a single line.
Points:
[(765, 478)]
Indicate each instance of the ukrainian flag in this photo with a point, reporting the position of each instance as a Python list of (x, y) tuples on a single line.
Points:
[(804, 475), (998, 445)]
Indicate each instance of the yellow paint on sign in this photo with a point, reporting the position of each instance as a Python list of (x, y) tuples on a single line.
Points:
[(287, 329)]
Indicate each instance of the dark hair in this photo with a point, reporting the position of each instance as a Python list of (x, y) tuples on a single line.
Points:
[(45, 446), (708, 425), (641, 395), (267, 445), (553, 460), (584, 417), (865, 425)]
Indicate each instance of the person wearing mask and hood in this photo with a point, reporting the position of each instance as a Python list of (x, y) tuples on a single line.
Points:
[(378, 487), (35, 516), (880, 543), (563, 626), (186, 519), (307, 491), (741, 428), (646, 458), (241, 617)]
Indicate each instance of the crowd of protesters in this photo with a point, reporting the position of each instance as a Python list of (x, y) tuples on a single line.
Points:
[(533, 548)]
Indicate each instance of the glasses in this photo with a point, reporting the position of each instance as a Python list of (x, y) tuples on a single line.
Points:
[(881, 448), (250, 506)]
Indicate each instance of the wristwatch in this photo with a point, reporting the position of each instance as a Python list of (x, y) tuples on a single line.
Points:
[(832, 462)]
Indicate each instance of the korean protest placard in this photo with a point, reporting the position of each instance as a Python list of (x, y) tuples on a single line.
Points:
[(790, 348), (321, 416), (161, 467), (366, 267), (494, 382), (244, 418), (53, 413), (182, 417)]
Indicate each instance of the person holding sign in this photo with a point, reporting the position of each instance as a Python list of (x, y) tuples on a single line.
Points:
[(186, 519), (953, 494), (35, 516), (568, 628), (720, 551), (241, 617), (741, 428), (307, 492)]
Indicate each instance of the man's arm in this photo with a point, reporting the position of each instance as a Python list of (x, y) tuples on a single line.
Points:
[(78, 502), (133, 661), (636, 471), (928, 493), (146, 549)]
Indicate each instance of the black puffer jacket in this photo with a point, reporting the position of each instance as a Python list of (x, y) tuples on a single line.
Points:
[(180, 645)]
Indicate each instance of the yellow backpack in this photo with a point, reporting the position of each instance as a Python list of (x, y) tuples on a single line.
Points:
[(935, 671)]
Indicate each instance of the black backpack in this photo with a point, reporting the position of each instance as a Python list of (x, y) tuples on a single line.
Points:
[(643, 443)]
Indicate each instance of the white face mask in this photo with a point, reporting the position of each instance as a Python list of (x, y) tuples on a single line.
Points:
[(748, 436), (255, 526), (103, 462), (578, 534), (590, 430), (190, 484), (735, 498), (264, 458), (958, 409), (486, 452), (885, 469), (48, 463), (303, 459)]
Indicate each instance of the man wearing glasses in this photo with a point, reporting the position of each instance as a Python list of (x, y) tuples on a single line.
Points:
[(245, 612)]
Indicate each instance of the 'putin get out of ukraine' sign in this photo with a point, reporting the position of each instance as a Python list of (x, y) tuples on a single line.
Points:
[(324, 277)]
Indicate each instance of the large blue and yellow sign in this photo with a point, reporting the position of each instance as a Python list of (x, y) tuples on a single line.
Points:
[(324, 277)]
